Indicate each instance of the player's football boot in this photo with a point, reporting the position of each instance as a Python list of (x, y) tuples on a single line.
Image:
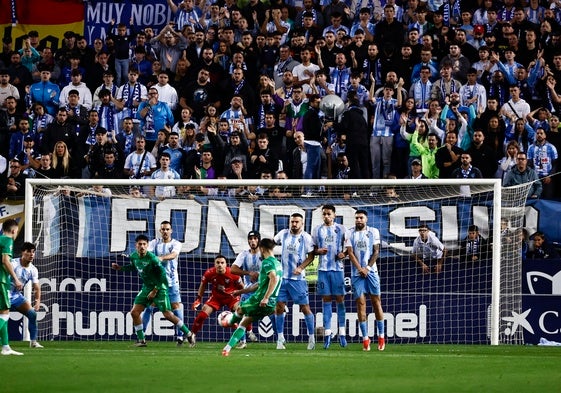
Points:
[(191, 339), (342, 341), (381, 343), (280, 345), (366, 344), (179, 341), (252, 337), (327, 341), (140, 343), (10, 351), (311, 343), (35, 344), (225, 353), (242, 345)]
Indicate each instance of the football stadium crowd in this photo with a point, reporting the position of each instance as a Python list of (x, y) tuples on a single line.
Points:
[(299, 89)]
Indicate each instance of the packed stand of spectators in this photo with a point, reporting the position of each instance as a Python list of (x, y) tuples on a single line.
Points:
[(234, 90)]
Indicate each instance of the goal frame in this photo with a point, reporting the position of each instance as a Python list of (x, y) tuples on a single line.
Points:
[(495, 183)]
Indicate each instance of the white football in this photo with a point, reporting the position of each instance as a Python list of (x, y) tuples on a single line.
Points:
[(224, 318)]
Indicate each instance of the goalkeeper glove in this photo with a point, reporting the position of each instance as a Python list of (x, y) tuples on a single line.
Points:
[(197, 303)]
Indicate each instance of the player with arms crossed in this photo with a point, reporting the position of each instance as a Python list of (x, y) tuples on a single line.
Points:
[(167, 250), (363, 245), (264, 298), (26, 272), (297, 253), (224, 284), (154, 289), (329, 239), (247, 265), (9, 233)]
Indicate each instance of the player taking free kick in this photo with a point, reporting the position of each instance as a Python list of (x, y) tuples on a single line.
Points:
[(264, 299)]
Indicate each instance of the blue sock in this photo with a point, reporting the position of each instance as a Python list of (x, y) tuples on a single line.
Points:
[(273, 319), (327, 315), (310, 323), (32, 316), (363, 329), (341, 315), (280, 323), (179, 314), (146, 315), (380, 326)]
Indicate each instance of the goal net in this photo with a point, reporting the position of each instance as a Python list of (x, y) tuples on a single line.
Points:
[(80, 227)]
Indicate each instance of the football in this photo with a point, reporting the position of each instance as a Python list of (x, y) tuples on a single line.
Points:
[(224, 319)]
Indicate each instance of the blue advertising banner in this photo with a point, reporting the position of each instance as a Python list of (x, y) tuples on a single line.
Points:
[(84, 299), (142, 13), (541, 303)]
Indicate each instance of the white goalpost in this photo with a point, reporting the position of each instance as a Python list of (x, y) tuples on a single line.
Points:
[(81, 226)]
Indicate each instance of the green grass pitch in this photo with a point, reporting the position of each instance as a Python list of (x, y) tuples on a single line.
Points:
[(161, 367)]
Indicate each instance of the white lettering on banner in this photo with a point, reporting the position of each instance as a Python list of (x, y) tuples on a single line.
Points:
[(120, 214), (76, 283), (103, 13), (404, 325), (103, 323), (235, 227), (150, 14), (553, 317), (192, 216)]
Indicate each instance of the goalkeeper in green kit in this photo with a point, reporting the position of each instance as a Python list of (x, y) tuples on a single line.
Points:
[(154, 288), (264, 299)]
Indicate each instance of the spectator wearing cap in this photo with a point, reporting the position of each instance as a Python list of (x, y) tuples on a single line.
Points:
[(85, 94), (13, 186), (95, 157), (416, 170), (29, 157), (78, 114), (235, 169), (6, 88), (66, 72), (236, 148), (45, 92), (17, 139), (193, 157), (62, 56), (477, 40)]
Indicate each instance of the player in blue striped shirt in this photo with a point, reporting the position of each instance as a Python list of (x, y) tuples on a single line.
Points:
[(363, 246), (329, 246), (297, 253)]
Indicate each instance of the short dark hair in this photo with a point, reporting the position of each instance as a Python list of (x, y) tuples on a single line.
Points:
[(268, 244), (141, 238), (27, 246), (8, 225)]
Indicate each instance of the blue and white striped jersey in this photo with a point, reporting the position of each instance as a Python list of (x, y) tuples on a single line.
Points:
[(295, 250), (249, 262), (333, 238), (159, 248), (362, 243)]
